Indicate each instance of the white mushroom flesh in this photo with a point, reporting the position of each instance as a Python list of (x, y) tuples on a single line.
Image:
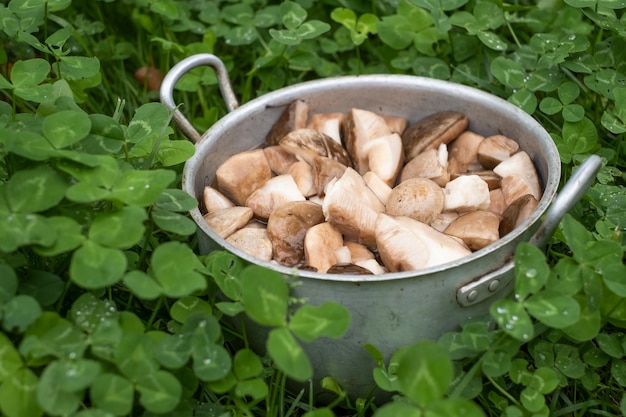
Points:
[(275, 192), (320, 243), (214, 200), (521, 164), (227, 221), (254, 240), (328, 123), (302, 174), (378, 186), (466, 193), (441, 247), (352, 207)]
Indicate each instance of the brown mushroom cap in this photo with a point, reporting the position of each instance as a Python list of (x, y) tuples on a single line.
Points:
[(431, 131), (516, 213), (292, 118), (349, 269), (477, 228), (241, 174), (431, 164), (308, 144), (287, 227), (419, 198), (325, 170), (495, 149), (279, 159)]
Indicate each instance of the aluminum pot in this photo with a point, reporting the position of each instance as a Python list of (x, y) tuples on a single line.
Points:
[(394, 309)]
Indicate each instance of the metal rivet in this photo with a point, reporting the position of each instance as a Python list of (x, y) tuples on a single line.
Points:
[(493, 285), (472, 295)]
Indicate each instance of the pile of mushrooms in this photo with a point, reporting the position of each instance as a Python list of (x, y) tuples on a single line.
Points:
[(365, 193)]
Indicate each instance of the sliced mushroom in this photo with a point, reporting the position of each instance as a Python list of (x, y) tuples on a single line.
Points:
[(279, 159), (396, 124), (358, 252), (431, 164), (253, 240), (466, 193), (287, 227), (497, 204), (316, 199), (292, 118), (516, 213), (309, 143), (431, 131), (302, 174), (349, 269), (352, 207), (491, 178), (320, 243), (325, 170), (214, 200), (495, 149), (463, 153), (419, 198), (441, 247), (241, 174), (328, 123), (384, 156), (400, 249), (515, 186), (371, 265), (275, 192), (227, 221), (477, 228), (443, 220), (521, 164), (357, 128), (343, 255), (378, 186)]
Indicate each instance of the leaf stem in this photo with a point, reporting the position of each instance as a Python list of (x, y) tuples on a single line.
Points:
[(155, 311), (68, 284), (503, 391), (456, 393)]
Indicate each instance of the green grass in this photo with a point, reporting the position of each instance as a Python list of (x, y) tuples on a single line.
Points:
[(96, 322)]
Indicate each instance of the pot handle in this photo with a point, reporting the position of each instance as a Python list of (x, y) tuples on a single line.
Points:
[(180, 69), (575, 188)]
